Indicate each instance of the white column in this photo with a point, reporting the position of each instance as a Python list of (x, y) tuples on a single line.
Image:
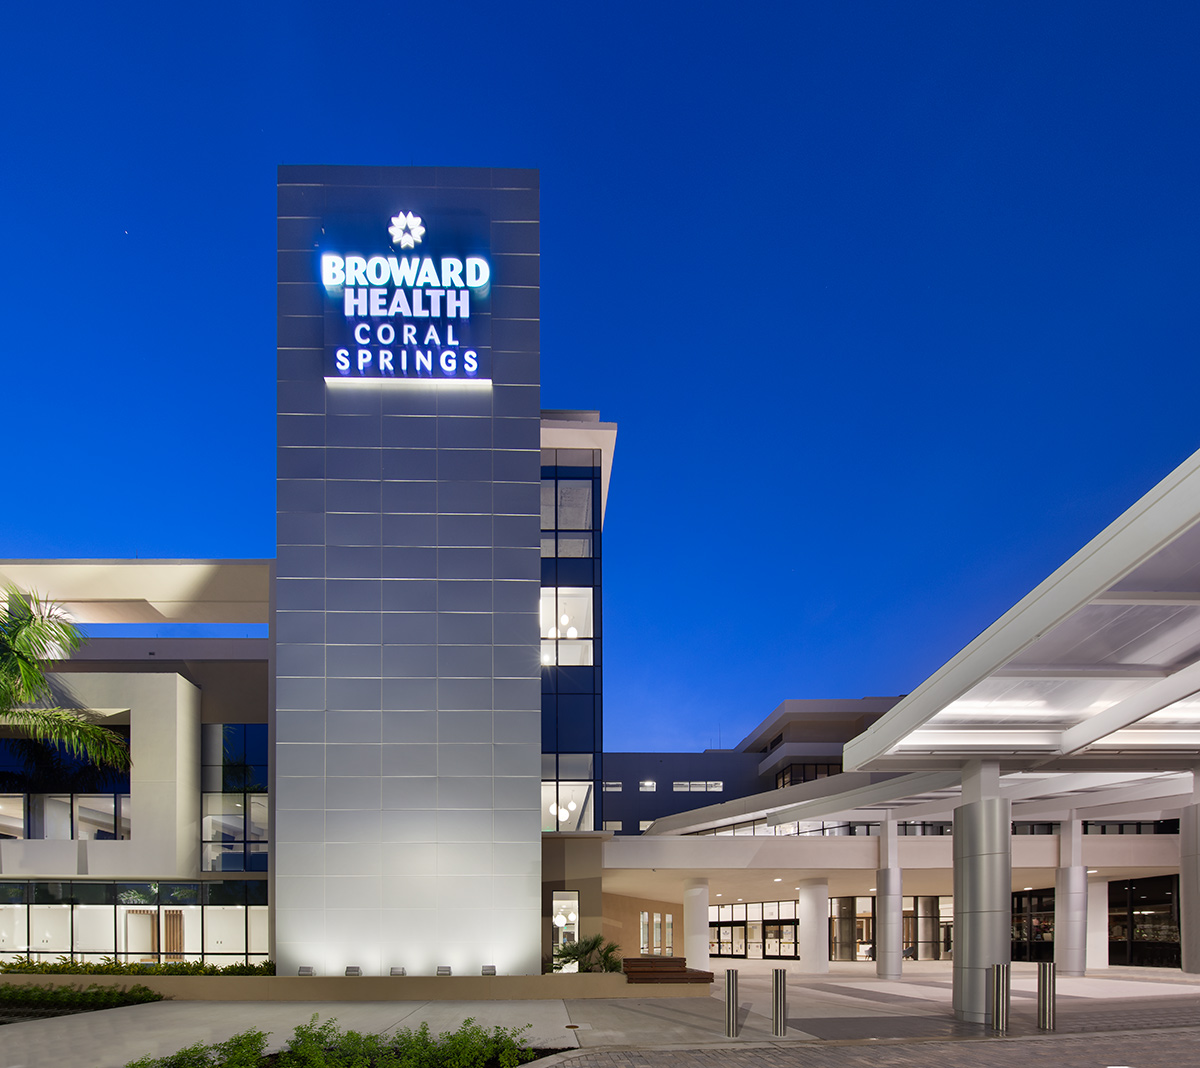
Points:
[(982, 890), (1097, 924), (812, 931), (695, 924), (889, 906), (1070, 900)]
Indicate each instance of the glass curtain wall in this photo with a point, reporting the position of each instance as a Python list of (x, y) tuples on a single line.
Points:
[(1143, 922), (147, 923), (570, 623), (235, 827), (756, 930)]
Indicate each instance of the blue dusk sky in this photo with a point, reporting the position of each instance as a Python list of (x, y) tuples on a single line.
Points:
[(895, 303)]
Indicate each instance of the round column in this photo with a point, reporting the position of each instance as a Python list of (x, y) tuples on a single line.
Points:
[(889, 923), (1070, 920), (695, 923), (812, 931), (982, 902)]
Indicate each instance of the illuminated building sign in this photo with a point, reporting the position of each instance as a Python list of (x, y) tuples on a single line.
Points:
[(407, 298)]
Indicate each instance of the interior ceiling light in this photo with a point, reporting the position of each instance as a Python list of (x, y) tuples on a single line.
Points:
[(564, 619), (572, 632), (553, 809), (563, 815)]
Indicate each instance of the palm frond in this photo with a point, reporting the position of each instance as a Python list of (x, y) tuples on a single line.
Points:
[(35, 632), (77, 735)]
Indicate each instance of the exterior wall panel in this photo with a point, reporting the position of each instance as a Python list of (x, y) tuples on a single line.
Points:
[(407, 614)]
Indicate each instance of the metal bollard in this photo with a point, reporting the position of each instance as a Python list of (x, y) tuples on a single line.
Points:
[(731, 1003), (778, 1002), (1000, 996), (1046, 993)]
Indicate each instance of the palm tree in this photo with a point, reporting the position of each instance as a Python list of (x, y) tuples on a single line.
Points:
[(593, 954), (33, 634)]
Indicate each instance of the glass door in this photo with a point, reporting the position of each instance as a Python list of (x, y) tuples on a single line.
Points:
[(727, 939), (779, 941)]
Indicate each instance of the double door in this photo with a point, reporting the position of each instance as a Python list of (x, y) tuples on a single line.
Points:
[(754, 939)]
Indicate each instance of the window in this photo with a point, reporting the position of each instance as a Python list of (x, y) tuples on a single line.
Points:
[(66, 817), (566, 805), (234, 832), (567, 504), (644, 824), (713, 787), (574, 504), (217, 922), (564, 916), (12, 815), (612, 787), (647, 786), (614, 825), (575, 544), (798, 773), (567, 625)]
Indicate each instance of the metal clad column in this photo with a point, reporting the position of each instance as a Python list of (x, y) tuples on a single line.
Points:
[(812, 932), (695, 923), (929, 945), (1070, 900), (889, 923), (1070, 920), (1097, 937), (982, 901), (1189, 889), (889, 906)]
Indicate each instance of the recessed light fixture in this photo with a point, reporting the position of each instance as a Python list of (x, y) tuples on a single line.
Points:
[(779, 880), (1026, 887), (718, 895), (870, 888), (1092, 871)]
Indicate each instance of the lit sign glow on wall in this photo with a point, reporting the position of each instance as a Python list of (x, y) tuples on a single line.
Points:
[(401, 318)]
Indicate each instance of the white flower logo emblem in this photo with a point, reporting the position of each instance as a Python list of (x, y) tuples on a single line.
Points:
[(406, 230)]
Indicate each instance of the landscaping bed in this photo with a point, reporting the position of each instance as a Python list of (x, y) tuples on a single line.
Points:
[(27, 1002), (325, 1045)]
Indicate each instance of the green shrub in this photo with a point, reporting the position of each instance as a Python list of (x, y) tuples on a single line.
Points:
[(111, 966), (326, 1045), (73, 998)]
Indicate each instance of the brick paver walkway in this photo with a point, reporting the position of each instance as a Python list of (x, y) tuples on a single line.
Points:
[(1174, 1048)]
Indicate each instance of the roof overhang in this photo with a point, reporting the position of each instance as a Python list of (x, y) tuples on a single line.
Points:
[(1098, 668), (150, 591), (559, 431)]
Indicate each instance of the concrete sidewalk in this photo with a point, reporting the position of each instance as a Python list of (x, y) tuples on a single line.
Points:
[(847, 1009)]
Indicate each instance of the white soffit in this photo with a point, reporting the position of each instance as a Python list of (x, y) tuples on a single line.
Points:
[(565, 434), (149, 591), (1097, 667)]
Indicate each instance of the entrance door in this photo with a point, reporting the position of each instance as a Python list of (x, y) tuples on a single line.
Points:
[(727, 939), (779, 941)]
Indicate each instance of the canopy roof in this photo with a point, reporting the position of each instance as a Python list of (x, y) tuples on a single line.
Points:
[(1098, 668)]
